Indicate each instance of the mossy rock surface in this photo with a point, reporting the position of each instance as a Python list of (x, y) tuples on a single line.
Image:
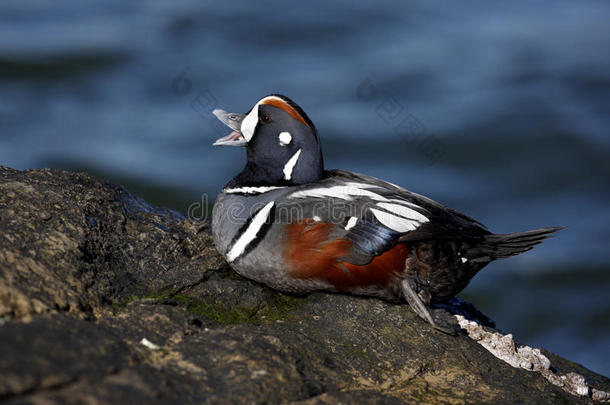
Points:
[(87, 271)]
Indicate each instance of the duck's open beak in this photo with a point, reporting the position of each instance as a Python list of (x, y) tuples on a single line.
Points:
[(233, 121)]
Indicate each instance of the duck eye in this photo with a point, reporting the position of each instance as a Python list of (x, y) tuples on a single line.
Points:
[(265, 119)]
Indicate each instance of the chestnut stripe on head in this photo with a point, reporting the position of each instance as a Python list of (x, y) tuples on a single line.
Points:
[(248, 125), (280, 103)]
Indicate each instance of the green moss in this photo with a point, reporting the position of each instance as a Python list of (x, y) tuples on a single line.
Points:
[(277, 307), (118, 306), (284, 303), (357, 352), (157, 295), (353, 352), (131, 298), (215, 311)]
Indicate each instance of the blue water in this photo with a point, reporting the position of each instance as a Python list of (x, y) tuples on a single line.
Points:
[(501, 112)]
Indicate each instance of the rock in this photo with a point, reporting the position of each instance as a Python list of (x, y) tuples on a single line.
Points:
[(106, 299)]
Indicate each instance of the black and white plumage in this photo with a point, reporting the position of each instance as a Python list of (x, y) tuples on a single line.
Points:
[(286, 222)]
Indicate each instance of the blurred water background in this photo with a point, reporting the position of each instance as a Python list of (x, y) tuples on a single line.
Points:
[(500, 112)]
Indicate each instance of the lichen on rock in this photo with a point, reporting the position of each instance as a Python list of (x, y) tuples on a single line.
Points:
[(504, 348)]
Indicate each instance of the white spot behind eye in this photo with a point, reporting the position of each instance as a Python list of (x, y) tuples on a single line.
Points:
[(285, 138)]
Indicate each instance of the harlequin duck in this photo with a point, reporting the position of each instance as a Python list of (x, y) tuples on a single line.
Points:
[(286, 222)]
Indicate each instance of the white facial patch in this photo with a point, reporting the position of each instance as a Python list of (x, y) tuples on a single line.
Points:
[(248, 125), (290, 165), (285, 138), (250, 233)]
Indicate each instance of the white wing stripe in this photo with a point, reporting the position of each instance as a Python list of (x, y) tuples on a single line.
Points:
[(398, 224), (344, 192), (404, 202), (403, 211), (347, 192), (250, 190), (394, 213), (336, 191)]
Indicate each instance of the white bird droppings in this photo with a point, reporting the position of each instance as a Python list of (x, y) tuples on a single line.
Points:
[(525, 357), (258, 373), (147, 343)]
